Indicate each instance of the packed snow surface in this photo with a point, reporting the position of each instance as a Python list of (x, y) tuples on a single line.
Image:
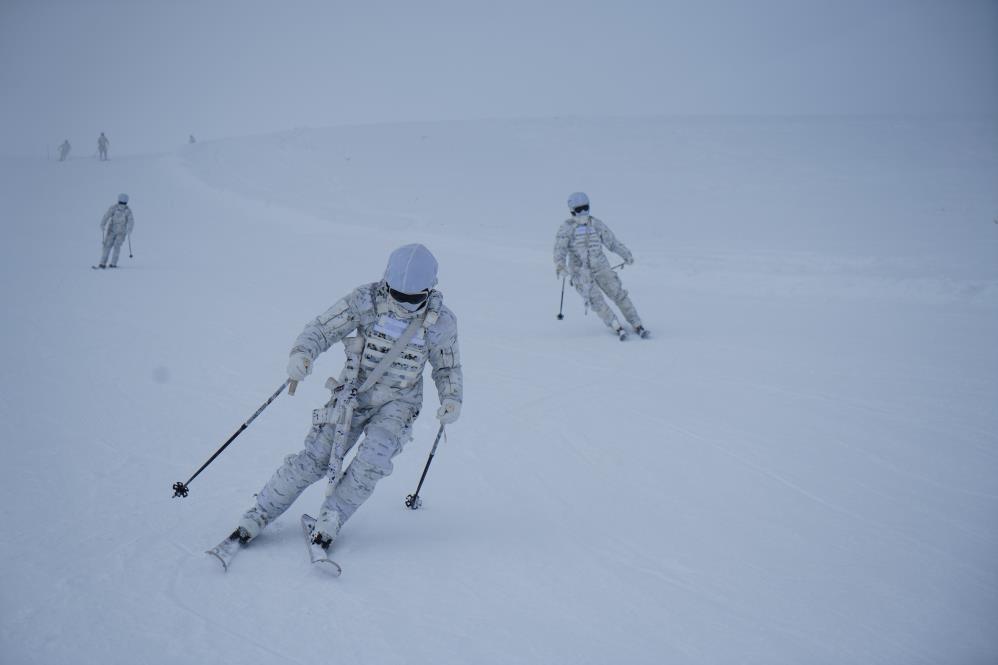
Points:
[(800, 466)]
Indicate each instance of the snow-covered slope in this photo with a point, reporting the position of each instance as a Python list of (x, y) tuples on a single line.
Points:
[(800, 466)]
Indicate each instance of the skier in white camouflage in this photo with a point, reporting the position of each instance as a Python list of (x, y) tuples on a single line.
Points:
[(578, 255), (402, 310), (102, 144), (117, 226)]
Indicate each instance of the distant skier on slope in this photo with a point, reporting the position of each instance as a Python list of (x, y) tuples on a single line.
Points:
[(64, 149), (102, 144), (580, 240), (116, 225), (375, 398)]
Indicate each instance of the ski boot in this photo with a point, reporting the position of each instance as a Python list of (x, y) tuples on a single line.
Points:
[(331, 524), (642, 332), (621, 333)]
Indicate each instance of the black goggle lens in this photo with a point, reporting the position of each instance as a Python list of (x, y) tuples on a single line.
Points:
[(576, 211), (410, 298)]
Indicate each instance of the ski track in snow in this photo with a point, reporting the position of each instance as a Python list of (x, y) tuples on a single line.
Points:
[(177, 598), (985, 577)]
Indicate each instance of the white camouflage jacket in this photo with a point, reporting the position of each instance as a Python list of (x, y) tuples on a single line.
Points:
[(581, 239), (118, 219), (369, 311)]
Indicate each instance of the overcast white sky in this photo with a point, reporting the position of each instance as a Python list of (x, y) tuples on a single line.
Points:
[(148, 73)]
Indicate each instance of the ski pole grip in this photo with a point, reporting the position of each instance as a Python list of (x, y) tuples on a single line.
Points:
[(292, 385)]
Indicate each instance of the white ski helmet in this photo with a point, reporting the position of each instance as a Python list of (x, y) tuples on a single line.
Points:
[(411, 269), (122, 198), (578, 202)]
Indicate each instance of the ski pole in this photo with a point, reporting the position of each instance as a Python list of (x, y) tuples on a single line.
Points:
[(562, 305), (180, 489), (413, 501), (130, 246)]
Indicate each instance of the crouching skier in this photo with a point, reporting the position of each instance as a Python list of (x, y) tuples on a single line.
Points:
[(581, 239), (401, 323)]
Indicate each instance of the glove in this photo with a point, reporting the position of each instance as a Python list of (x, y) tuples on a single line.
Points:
[(449, 411), (629, 261), (299, 366), (560, 271)]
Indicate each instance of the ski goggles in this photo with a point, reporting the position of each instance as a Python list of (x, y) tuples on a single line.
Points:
[(409, 298)]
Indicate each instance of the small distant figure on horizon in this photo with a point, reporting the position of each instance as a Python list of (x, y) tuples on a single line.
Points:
[(190, 139), (102, 144), (581, 239), (64, 149), (116, 225)]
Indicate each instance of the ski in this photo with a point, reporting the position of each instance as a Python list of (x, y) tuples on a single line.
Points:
[(97, 267), (316, 553), (227, 549)]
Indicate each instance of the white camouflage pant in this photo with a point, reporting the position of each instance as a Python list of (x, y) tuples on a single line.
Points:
[(592, 286), (115, 240), (386, 429)]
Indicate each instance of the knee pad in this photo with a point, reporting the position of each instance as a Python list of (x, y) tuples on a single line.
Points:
[(311, 468), (377, 450), (299, 470)]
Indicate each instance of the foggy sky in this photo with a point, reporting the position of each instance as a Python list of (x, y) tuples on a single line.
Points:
[(150, 73)]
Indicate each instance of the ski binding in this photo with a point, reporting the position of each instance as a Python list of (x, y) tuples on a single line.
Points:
[(227, 549), (316, 553)]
